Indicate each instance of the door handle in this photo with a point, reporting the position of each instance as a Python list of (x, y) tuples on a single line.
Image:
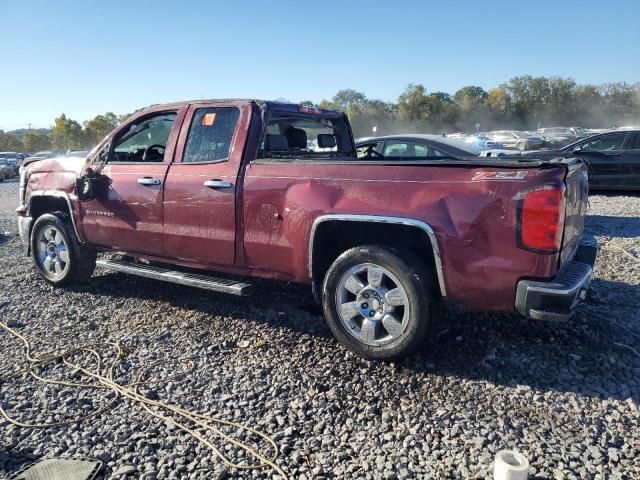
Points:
[(218, 184), (148, 181)]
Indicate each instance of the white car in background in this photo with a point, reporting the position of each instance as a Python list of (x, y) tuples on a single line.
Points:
[(482, 140), (516, 139)]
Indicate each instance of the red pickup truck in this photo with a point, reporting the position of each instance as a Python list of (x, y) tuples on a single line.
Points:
[(275, 190)]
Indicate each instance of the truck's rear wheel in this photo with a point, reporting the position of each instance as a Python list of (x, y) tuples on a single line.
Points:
[(378, 302), (57, 254)]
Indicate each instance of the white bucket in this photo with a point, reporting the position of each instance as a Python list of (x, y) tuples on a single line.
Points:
[(510, 465)]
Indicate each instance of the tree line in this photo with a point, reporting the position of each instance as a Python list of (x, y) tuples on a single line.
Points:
[(66, 134), (523, 103)]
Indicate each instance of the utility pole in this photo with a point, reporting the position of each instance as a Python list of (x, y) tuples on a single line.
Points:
[(29, 125)]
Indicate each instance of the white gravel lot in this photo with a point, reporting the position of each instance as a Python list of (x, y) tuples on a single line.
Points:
[(565, 395)]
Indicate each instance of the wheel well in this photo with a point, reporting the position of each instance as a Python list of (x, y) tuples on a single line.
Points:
[(41, 205), (332, 238)]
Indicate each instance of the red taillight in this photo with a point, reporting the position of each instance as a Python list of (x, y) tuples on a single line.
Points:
[(542, 219), (309, 109)]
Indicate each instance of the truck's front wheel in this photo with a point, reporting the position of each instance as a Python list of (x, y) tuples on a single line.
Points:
[(378, 302), (57, 254)]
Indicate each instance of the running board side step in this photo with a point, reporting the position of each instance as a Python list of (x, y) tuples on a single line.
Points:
[(190, 279)]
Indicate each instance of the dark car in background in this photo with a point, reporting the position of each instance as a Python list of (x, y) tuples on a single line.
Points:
[(613, 158), (517, 139), (6, 171), (12, 160), (415, 146)]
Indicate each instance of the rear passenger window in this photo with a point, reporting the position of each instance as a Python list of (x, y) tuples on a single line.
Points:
[(405, 148), (210, 134)]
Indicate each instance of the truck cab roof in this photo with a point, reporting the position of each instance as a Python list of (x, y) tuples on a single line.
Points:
[(267, 104)]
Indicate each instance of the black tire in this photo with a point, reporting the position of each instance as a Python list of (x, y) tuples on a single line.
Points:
[(413, 277), (81, 258)]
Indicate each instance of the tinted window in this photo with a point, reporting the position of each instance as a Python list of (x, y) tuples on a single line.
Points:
[(210, 134), (396, 148), (144, 140), (411, 149), (636, 143), (605, 143), (405, 148)]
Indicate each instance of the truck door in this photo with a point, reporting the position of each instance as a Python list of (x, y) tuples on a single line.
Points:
[(634, 158), (608, 166), (127, 215), (201, 186)]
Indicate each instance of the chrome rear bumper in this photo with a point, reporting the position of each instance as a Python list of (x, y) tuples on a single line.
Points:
[(558, 298)]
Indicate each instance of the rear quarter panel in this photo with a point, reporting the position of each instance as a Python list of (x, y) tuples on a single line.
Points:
[(474, 219)]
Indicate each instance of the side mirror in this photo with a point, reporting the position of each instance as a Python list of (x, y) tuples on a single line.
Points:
[(576, 150), (90, 186)]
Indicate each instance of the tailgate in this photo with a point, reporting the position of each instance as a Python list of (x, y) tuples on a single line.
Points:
[(577, 195)]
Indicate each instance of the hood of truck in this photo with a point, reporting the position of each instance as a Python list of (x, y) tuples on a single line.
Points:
[(57, 173), (63, 162)]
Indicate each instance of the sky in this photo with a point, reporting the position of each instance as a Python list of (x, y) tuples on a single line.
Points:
[(86, 58)]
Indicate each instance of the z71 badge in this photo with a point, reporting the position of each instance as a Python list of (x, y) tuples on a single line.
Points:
[(517, 175)]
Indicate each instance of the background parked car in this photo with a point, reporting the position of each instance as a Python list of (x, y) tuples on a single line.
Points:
[(415, 146), (6, 170), (516, 139), (482, 140), (613, 158), (12, 160)]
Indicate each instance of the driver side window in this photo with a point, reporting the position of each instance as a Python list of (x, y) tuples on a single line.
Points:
[(144, 140)]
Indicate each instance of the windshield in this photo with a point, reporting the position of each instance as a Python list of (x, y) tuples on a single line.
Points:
[(291, 135)]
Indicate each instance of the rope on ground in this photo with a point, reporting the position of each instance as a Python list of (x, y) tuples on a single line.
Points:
[(172, 415)]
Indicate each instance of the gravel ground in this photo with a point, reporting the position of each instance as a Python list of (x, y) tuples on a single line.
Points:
[(567, 396)]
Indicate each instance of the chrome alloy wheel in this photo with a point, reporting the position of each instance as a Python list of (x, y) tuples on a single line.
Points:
[(372, 304), (53, 254)]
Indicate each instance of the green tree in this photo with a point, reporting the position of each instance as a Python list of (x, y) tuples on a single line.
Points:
[(99, 127), (35, 140), (471, 97), (427, 112), (67, 134), (373, 113), (9, 142), (618, 103), (413, 106), (499, 101), (529, 97), (348, 97)]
